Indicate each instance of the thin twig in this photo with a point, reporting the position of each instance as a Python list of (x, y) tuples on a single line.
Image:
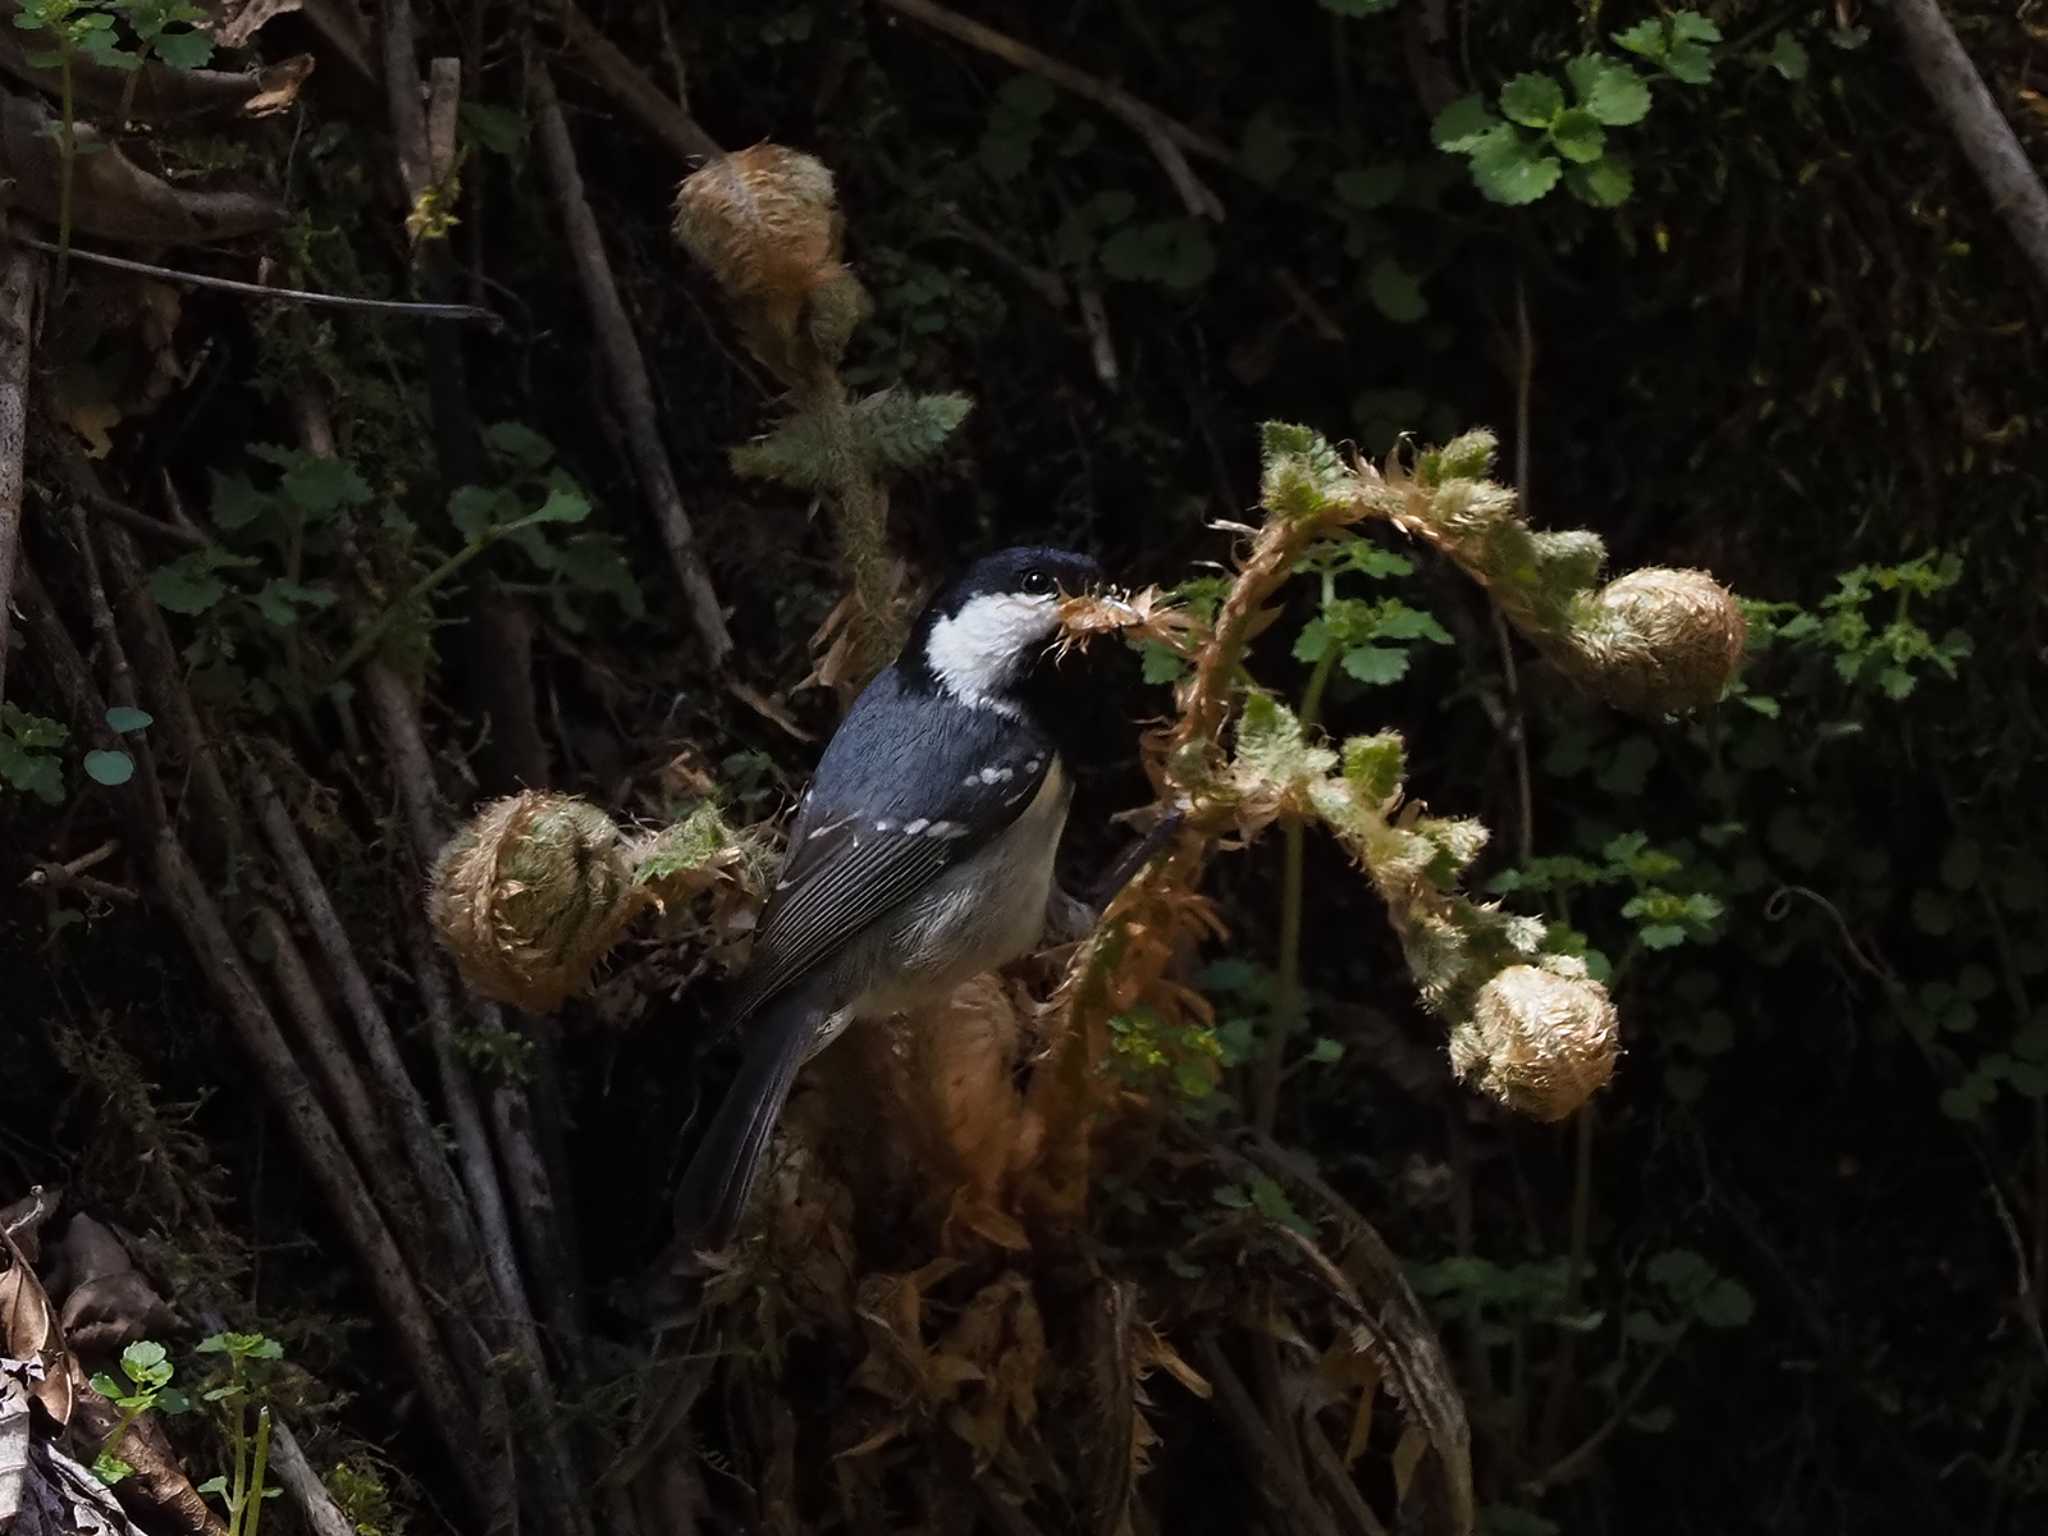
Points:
[(626, 371), (142, 523), (19, 278), (1574, 1463), (1170, 140), (407, 308)]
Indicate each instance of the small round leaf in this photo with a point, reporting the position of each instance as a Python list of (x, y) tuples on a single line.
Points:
[(109, 768)]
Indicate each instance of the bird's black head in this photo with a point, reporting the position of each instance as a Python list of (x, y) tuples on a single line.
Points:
[(982, 635)]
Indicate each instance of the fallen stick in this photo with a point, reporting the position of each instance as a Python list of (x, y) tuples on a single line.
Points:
[(1981, 132)]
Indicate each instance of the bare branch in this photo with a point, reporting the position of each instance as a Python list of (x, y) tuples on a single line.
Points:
[(626, 372)]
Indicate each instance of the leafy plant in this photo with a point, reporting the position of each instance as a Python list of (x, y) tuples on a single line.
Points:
[(243, 1492), (1548, 136), (144, 1384), (167, 29), (28, 753)]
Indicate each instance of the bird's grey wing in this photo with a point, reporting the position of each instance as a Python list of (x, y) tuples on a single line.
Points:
[(846, 868)]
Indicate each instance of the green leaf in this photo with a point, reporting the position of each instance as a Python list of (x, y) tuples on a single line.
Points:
[(1691, 63), (1787, 57), (216, 1484), (1375, 664), (1725, 1304), (1509, 169), (474, 511), (1314, 641), (1933, 914), (237, 502), (497, 129), (1609, 89), (1961, 1103), (320, 486), (1369, 186), (562, 506), (1661, 936), (1578, 136), (124, 718), (183, 50), (109, 768), (1162, 664), (143, 1355), (1396, 293), (516, 441), (186, 585), (1646, 38), (1532, 100), (171, 1400), (110, 1469), (106, 1386), (1653, 1421), (1679, 1270), (1175, 253), (1692, 27), (903, 430), (1606, 183), (1461, 125), (1325, 1051)]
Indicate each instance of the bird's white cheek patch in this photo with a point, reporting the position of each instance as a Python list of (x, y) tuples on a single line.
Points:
[(978, 651)]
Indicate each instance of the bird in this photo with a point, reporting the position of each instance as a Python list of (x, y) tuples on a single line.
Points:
[(921, 853)]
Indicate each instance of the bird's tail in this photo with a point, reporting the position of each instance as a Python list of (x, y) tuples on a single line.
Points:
[(714, 1190)]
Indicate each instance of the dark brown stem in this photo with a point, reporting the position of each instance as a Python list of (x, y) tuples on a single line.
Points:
[(626, 372), (20, 276), (1564, 1376), (862, 502)]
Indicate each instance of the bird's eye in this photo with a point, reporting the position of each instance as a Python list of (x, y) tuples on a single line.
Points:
[(1036, 581)]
